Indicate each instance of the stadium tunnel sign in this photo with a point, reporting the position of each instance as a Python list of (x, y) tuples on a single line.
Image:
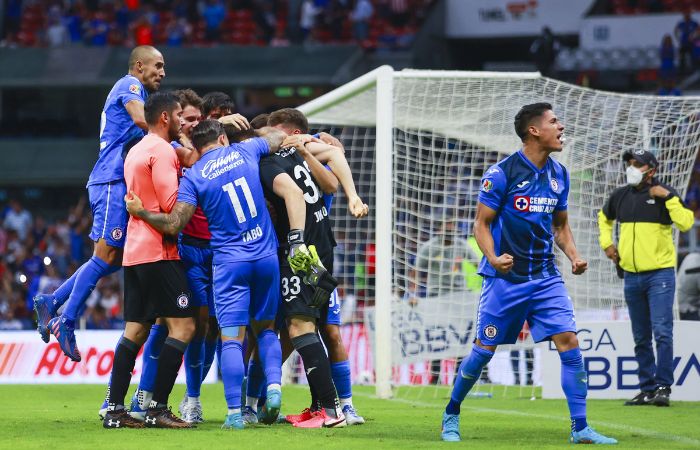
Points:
[(608, 352)]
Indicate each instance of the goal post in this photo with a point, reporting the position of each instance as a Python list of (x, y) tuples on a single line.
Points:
[(418, 143)]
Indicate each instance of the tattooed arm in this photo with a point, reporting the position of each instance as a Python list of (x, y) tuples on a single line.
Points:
[(171, 223)]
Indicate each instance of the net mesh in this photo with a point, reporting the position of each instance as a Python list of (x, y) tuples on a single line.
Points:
[(446, 132)]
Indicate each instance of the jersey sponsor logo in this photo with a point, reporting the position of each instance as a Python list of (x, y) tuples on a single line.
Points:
[(487, 185), (523, 184), (555, 185), (490, 331), (135, 89), (215, 167), (289, 299), (521, 203), (117, 234), (651, 201), (639, 152), (183, 301)]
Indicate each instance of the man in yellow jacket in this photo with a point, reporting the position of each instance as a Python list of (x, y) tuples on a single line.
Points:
[(646, 209)]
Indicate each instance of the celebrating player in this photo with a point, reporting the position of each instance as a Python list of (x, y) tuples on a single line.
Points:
[(523, 208), (121, 125), (225, 182), (155, 284)]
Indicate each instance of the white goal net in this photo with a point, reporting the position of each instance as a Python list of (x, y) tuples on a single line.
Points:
[(418, 143)]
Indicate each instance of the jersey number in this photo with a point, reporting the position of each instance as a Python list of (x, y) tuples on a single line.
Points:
[(291, 285), (303, 171), (231, 191)]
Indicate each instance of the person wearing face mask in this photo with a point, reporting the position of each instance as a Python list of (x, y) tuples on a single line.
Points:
[(646, 209)]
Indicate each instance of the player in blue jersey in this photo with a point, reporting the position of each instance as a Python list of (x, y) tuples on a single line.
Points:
[(522, 212), (225, 182), (122, 124)]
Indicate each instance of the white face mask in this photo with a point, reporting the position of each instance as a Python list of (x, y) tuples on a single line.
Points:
[(634, 176)]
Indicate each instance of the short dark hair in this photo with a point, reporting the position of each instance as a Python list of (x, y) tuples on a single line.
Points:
[(157, 103), (206, 132), (188, 97), (235, 135), (259, 121), (526, 115), (216, 100), (289, 116)]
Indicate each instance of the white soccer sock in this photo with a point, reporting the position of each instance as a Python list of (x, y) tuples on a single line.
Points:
[(252, 402), (234, 411), (192, 400), (345, 401), (274, 387)]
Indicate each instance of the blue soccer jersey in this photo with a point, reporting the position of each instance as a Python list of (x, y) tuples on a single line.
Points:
[(525, 199), (117, 129), (225, 183)]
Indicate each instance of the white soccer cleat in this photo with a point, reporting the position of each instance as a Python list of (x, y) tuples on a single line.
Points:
[(351, 416), (192, 412)]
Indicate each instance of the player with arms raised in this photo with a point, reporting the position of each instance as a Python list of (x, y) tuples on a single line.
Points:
[(522, 209)]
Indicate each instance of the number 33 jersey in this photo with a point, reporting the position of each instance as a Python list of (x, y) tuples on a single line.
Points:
[(225, 183), (318, 228)]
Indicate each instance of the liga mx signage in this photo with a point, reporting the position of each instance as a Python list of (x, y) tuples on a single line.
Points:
[(608, 352), (436, 328)]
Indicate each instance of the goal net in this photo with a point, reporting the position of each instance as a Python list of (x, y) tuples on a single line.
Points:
[(418, 143)]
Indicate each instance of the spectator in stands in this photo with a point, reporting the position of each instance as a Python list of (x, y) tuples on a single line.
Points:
[(667, 55), (668, 88), (685, 29), (265, 18), (96, 30), (18, 219), (13, 14), (689, 287), (177, 31), (307, 19), (360, 17), (213, 14), (544, 51), (143, 31), (56, 33), (74, 24)]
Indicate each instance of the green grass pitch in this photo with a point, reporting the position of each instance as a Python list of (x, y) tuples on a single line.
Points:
[(65, 416)]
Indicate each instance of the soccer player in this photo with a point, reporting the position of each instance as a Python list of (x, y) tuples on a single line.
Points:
[(121, 125), (225, 182), (522, 211), (155, 284), (216, 105)]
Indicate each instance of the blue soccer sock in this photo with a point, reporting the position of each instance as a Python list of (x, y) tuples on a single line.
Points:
[(467, 375), (256, 382), (232, 371), (151, 353), (270, 356), (194, 356), (87, 277), (574, 385), (340, 371), (60, 295), (209, 352)]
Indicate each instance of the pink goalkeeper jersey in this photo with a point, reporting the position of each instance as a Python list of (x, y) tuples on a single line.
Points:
[(150, 171)]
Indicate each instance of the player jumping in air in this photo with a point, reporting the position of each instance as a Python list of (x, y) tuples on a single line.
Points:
[(522, 210)]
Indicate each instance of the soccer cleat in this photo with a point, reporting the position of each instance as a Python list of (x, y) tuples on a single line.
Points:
[(105, 405), (183, 402), (321, 419), (193, 412), (450, 428), (233, 421), (43, 310), (305, 415), (351, 416), (661, 396), (590, 436), (65, 335), (271, 408), (250, 417), (139, 404), (120, 419), (640, 399), (164, 418)]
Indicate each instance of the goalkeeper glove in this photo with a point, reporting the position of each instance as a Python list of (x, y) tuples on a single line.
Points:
[(318, 277), (299, 257)]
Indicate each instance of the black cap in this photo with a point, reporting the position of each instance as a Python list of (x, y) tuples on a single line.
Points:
[(643, 156)]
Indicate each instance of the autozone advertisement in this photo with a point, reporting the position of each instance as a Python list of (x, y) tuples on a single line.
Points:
[(24, 358), (608, 352)]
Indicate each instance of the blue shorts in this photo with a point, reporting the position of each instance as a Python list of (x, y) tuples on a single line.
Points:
[(245, 290), (505, 306), (333, 316), (109, 215), (197, 261)]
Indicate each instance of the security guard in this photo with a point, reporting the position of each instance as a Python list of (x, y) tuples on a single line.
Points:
[(646, 209)]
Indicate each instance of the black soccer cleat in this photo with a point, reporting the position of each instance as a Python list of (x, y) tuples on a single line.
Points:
[(641, 399), (661, 396), (120, 419)]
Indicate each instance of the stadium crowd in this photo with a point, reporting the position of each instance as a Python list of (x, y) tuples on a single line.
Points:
[(375, 24)]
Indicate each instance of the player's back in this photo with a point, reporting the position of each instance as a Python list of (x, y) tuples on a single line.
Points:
[(525, 199), (150, 171), (225, 182), (117, 129)]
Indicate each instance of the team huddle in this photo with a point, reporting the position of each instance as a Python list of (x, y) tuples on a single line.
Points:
[(222, 227)]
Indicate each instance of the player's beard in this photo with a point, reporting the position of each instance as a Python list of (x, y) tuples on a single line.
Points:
[(174, 131)]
